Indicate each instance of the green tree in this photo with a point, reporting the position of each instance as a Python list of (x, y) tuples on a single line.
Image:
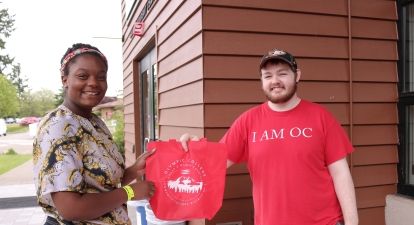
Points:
[(119, 131), (37, 103), (7, 65), (17, 80), (26, 104), (59, 97), (9, 102), (45, 101), (6, 28)]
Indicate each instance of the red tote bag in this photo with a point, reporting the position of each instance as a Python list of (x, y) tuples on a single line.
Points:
[(189, 185)]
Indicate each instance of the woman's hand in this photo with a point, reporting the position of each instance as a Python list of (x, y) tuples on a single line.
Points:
[(143, 189), (137, 169), (75, 206), (187, 137), (139, 165)]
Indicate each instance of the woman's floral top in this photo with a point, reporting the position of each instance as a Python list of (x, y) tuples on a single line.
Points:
[(72, 153)]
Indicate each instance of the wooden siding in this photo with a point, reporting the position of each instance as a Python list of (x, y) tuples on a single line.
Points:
[(348, 65), (208, 53), (173, 28)]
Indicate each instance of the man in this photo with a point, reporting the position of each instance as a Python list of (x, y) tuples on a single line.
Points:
[(295, 152)]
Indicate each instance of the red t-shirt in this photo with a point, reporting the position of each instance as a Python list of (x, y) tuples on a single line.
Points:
[(287, 154)]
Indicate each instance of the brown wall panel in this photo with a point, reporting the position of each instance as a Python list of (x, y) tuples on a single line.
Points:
[(339, 110), (128, 109), (189, 116), (324, 91), (132, 45), (128, 80), (375, 135), (183, 55), (223, 115), (365, 176), (190, 28), (227, 54), (214, 134), (378, 154), (224, 91), (378, 71), (174, 132), (237, 19), (375, 113), (324, 69), (238, 186), (239, 168), (155, 19), (245, 67), (185, 74), (335, 7), (257, 44), (176, 20), (234, 67), (181, 96), (373, 196), (371, 216), (129, 127), (129, 156), (129, 136), (379, 9), (234, 210), (128, 100), (129, 118), (129, 88), (375, 92), (374, 49), (369, 28)]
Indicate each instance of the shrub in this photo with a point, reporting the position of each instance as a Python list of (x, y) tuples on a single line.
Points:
[(10, 151), (119, 131)]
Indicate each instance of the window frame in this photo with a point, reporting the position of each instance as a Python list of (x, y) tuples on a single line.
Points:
[(405, 99), (148, 64)]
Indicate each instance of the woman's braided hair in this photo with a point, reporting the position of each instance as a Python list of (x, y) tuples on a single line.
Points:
[(69, 55)]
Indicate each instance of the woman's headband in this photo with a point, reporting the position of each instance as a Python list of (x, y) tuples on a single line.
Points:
[(77, 52)]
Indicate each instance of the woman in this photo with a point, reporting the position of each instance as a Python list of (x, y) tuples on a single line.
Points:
[(80, 175)]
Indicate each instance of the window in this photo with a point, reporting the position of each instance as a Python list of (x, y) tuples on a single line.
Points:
[(406, 97), (149, 99), (129, 4)]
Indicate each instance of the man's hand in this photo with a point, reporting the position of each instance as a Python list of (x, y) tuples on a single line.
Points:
[(187, 137)]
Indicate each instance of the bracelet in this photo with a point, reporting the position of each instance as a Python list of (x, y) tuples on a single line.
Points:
[(129, 192)]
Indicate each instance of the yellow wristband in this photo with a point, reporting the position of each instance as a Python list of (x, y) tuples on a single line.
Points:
[(129, 192)]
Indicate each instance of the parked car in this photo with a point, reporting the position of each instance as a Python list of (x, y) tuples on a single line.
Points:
[(10, 120), (28, 120), (3, 127)]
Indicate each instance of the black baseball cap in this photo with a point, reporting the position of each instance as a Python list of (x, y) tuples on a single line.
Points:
[(284, 56)]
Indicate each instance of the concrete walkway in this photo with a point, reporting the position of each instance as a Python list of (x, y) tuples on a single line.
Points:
[(17, 197)]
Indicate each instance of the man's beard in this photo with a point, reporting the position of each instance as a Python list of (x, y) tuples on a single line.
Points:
[(281, 99)]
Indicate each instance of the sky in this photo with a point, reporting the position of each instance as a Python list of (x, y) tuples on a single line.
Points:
[(45, 29)]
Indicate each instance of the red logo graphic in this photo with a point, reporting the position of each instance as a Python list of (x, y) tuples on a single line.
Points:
[(138, 29), (184, 183)]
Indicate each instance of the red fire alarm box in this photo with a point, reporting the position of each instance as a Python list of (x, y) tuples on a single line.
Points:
[(138, 29)]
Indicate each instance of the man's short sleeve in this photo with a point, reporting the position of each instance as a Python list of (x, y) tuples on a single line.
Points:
[(236, 140), (337, 144)]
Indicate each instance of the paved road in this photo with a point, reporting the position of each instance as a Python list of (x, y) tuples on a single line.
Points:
[(17, 192), (22, 143)]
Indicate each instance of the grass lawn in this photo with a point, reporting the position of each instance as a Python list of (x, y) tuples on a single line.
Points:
[(8, 162), (17, 128)]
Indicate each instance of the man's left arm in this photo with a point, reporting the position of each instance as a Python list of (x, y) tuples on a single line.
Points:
[(345, 190)]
